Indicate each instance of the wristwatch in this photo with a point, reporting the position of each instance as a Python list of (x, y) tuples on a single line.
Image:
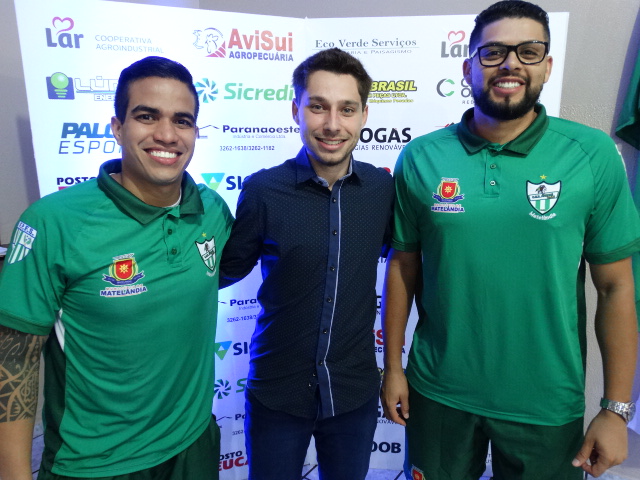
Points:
[(625, 410)]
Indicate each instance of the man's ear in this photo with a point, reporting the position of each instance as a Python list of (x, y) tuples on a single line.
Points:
[(116, 129), (295, 111)]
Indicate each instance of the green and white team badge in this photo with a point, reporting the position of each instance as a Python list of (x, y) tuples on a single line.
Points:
[(207, 250), (543, 197), (21, 243)]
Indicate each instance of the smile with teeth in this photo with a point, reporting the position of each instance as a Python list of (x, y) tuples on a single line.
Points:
[(330, 142), (507, 84), (162, 154)]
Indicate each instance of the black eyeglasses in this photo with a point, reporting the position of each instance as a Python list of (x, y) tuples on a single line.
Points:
[(528, 53)]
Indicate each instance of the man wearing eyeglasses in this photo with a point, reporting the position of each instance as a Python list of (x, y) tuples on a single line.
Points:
[(501, 210)]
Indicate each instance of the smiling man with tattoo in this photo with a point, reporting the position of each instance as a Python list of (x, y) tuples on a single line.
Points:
[(102, 269)]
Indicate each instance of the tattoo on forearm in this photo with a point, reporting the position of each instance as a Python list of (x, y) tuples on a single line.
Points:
[(19, 368)]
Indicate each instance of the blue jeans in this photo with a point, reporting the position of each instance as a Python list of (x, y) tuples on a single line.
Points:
[(277, 442)]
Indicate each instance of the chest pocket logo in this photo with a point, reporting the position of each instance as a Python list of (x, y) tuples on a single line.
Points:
[(543, 196), (207, 250)]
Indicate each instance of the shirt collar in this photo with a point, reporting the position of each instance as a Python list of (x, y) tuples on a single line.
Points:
[(131, 205), (305, 172), (520, 145)]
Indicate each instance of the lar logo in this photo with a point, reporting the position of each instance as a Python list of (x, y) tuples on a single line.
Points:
[(207, 90), (211, 41), (221, 389), (213, 180), (221, 349), (60, 87)]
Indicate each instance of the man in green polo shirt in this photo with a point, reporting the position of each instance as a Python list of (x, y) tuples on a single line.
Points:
[(494, 217), (121, 273)]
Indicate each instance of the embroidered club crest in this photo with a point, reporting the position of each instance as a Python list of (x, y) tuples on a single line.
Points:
[(416, 473), (123, 271), (21, 243), (448, 191), (207, 250), (543, 196)]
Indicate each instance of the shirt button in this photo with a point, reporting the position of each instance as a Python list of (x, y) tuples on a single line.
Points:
[(315, 374), (493, 165), (325, 330), (492, 183), (335, 232), (334, 199), (329, 300), (332, 268), (170, 231), (174, 251), (320, 363), (309, 385)]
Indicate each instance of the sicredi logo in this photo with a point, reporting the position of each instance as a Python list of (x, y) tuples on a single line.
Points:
[(207, 90), (222, 388), (261, 45), (453, 46), (59, 35), (60, 87)]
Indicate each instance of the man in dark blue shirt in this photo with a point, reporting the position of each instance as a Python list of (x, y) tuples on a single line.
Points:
[(318, 223)]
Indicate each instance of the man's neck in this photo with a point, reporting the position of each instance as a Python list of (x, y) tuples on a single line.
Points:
[(499, 131), (159, 196), (331, 173)]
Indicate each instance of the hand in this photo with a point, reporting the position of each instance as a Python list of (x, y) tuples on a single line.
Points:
[(605, 444), (394, 395)]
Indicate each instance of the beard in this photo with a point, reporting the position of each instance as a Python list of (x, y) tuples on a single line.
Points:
[(506, 110)]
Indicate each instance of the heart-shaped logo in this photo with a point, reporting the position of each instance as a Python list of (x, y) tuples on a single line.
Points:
[(62, 24), (455, 36)]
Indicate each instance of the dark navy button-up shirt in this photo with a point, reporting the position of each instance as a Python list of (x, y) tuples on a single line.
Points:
[(319, 252)]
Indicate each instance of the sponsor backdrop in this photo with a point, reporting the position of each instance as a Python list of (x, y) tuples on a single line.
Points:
[(241, 64)]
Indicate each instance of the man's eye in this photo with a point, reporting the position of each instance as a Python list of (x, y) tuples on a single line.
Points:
[(145, 117), (349, 110), (184, 123), (493, 52)]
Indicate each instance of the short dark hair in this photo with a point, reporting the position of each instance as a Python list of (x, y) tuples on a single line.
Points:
[(508, 9), (336, 61), (151, 67)]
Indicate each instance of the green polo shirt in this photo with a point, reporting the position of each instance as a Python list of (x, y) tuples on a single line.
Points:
[(128, 294), (502, 230)]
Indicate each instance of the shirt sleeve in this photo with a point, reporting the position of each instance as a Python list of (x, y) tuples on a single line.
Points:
[(629, 121), (243, 249), (406, 234), (32, 281), (613, 228)]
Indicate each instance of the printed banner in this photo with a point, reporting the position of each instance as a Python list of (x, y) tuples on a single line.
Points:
[(73, 52)]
